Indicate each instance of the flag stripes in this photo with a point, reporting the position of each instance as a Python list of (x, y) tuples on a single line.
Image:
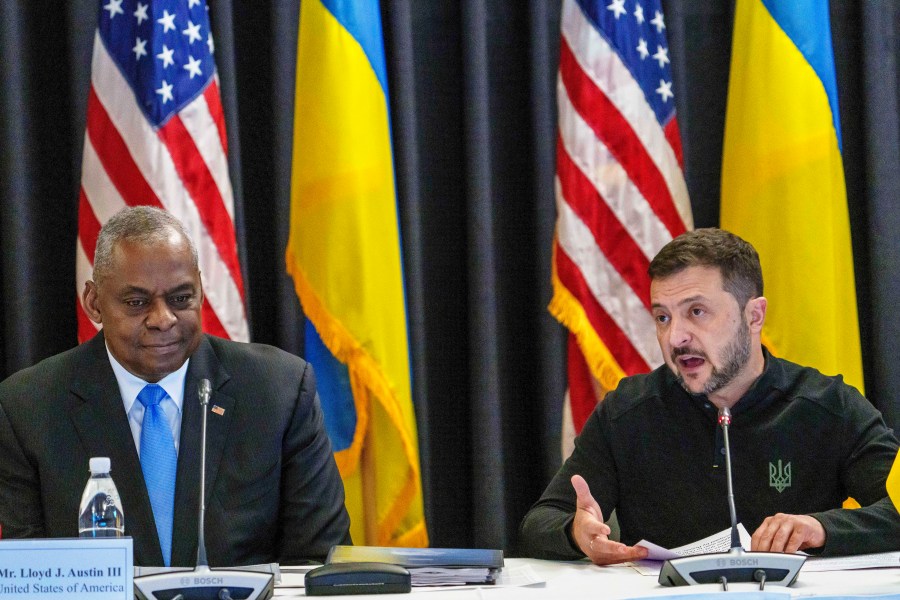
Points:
[(607, 175), (620, 190), (580, 384), (615, 81), (214, 102), (628, 357), (614, 130), (607, 231), (178, 163)]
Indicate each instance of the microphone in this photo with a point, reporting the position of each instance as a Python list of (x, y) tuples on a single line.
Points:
[(204, 583), (737, 565)]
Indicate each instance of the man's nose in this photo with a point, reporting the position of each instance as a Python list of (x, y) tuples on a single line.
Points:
[(161, 315), (679, 333)]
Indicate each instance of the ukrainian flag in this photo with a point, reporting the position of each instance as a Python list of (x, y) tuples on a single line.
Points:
[(344, 256), (783, 181)]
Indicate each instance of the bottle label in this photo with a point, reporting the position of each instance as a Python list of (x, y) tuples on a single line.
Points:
[(101, 517)]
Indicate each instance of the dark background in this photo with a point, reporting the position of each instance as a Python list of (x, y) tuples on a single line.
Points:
[(472, 87)]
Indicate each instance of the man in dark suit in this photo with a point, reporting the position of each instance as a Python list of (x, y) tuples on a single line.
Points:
[(273, 491)]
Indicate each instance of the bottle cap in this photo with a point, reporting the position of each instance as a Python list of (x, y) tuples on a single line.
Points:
[(99, 465)]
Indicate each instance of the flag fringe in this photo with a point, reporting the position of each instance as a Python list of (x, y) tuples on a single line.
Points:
[(568, 311), (416, 537), (365, 376)]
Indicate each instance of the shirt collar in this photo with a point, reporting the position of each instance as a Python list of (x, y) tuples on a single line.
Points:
[(131, 385)]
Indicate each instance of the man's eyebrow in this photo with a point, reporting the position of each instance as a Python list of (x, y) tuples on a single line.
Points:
[(134, 289), (692, 299), (682, 302), (184, 287)]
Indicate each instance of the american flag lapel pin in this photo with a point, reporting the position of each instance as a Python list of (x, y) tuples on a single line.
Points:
[(218, 410)]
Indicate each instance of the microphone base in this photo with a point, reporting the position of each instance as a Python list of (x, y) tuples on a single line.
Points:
[(736, 565), (205, 584)]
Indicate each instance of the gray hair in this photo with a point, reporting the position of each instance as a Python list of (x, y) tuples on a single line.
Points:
[(141, 224)]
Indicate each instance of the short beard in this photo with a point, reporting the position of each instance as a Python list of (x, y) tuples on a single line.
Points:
[(735, 357)]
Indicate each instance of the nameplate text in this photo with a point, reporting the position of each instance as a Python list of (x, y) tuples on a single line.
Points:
[(76, 568)]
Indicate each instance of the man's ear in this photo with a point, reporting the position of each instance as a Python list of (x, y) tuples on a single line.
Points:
[(91, 303), (755, 312)]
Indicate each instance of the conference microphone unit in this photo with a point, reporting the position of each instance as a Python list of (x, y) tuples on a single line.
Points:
[(204, 583), (737, 565)]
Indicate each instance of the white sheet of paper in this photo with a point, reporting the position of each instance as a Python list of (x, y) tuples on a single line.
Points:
[(845, 563), (717, 542)]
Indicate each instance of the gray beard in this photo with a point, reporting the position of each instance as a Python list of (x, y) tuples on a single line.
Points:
[(736, 356)]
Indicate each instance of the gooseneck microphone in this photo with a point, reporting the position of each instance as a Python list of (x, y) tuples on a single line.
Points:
[(736, 565), (204, 390), (724, 423), (204, 583)]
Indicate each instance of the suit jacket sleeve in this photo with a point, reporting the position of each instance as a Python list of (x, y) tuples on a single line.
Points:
[(546, 529), (21, 515), (312, 494), (870, 449)]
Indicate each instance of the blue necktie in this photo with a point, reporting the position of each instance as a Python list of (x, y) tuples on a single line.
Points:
[(158, 462)]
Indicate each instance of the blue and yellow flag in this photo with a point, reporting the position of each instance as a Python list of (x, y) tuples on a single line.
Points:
[(783, 181), (344, 256)]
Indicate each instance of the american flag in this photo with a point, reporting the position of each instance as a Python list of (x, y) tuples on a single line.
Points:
[(156, 136), (620, 190)]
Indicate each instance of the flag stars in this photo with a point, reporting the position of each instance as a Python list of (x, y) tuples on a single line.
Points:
[(193, 3), (115, 8), (209, 43), (168, 21), (639, 14), (166, 56), (165, 92), (665, 90), (661, 56), (192, 32), (658, 22), (642, 49), (141, 13), (617, 7), (140, 49), (193, 66)]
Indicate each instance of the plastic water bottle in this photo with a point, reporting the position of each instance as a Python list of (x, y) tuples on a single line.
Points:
[(101, 512)]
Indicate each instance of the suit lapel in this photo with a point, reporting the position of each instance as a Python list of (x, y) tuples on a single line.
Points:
[(204, 365), (103, 427)]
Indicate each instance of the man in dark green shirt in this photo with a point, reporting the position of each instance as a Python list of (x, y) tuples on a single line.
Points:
[(801, 442)]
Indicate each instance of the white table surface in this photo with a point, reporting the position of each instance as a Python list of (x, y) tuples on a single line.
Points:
[(582, 580)]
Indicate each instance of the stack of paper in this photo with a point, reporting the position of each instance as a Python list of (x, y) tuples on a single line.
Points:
[(429, 566)]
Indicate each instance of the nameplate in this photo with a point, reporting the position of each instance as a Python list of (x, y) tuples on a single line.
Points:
[(77, 568)]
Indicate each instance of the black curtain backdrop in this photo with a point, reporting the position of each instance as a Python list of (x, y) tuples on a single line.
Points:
[(472, 87)]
